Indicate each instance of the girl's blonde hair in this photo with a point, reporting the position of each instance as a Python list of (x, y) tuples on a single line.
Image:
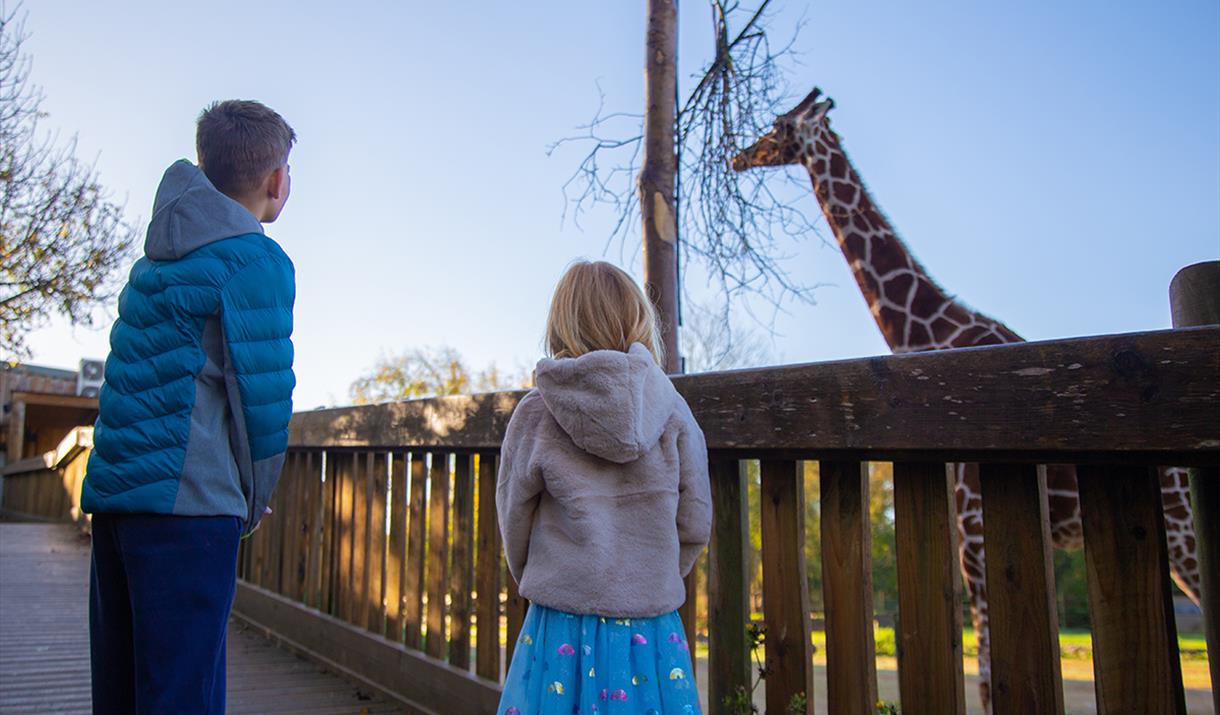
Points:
[(597, 306)]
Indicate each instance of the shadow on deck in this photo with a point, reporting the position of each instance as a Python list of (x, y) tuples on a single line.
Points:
[(44, 640)]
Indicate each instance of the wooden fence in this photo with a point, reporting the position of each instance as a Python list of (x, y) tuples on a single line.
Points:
[(47, 487), (383, 555)]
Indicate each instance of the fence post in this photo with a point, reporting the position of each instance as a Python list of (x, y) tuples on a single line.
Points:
[(728, 610), (1194, 298)]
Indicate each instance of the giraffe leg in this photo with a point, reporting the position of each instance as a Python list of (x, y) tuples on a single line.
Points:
[(1180, 530), (969, 497)]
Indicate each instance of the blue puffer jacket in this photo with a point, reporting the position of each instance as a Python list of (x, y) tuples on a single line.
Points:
[(194, 412)]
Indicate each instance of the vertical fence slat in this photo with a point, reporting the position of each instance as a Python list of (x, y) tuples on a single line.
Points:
[(847, 589), (438, 553), (258, 547), (514, 615), (689, 611), (278, 521), (288, 496), (1205, 496), (396, 550), (343, 592), (378, 472), (62, 490), (81, 463), (41, 492), (488, 574), (930, 678), (50, 494), (48, 501), (413, 600), (37, 494), (462, 568), (267, 532), (363, 485), (281, 505), (1135, 647), (1194, 299), (789, 650), (254, 568), (326, 559), (309, 530), (301, 521), (334, 532), (1025, 673), (728, 608), (298, 521)]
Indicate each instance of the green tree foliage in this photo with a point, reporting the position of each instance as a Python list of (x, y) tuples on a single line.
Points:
[(429, 372), (813, 534), (61, 240), (881, 516), (1071, 589)]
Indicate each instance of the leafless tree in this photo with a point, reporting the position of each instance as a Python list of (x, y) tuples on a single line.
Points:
[(711, 343), (61, 238), (732, 222)]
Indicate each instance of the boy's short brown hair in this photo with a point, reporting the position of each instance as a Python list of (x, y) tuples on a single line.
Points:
[(239, 142)]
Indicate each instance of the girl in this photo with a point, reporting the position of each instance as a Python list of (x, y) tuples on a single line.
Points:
[(604, 506)]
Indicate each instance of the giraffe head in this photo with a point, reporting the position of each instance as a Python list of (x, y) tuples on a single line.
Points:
[(793, 132)]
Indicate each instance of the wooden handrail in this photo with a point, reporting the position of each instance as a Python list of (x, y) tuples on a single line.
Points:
[(48, 486), (1149, 397)]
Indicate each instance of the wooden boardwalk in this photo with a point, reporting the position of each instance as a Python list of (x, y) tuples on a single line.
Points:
[(44, 640)]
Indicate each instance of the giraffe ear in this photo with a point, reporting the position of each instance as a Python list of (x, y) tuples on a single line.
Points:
[(820, 109), (805, 104)]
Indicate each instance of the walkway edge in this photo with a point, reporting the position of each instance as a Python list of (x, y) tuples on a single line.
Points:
[(419, 683)]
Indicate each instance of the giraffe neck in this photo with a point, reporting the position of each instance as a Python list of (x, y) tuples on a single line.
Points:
[(911, 310)]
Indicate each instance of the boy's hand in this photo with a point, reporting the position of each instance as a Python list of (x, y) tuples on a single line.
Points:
[(266, 513)]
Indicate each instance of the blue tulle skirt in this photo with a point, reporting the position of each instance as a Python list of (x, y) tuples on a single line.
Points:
[(566, 664)]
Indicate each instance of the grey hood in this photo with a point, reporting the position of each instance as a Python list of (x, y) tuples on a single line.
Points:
[(613, 405), (189, 212)]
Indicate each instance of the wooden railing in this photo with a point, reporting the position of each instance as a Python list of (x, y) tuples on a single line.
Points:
[(47, 487), (383, 555)]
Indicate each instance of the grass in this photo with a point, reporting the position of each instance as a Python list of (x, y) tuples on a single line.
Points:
[(1075, 647)]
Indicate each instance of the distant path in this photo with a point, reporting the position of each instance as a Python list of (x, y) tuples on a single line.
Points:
[(44, 640)]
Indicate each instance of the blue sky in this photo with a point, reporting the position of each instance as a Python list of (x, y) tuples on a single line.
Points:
[(1051, 163)]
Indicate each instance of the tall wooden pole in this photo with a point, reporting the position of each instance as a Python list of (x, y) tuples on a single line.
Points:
[(658, 174), (1194, 298), (658, 177)]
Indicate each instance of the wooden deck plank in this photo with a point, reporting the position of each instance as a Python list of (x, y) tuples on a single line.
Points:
[(44, 640)]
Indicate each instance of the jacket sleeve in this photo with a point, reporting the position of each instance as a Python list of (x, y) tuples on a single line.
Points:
[(694, 496), (256, 317), (519, 484)]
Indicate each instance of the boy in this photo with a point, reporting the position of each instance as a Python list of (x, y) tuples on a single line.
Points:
[(193, 419)]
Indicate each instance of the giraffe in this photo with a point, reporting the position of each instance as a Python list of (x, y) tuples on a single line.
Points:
[(915, 314)]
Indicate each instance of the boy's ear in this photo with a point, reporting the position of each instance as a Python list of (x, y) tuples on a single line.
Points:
[(277, 183)]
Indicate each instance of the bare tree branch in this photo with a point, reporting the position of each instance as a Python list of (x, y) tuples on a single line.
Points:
[(711, 342), (733, 223), (61, 239)]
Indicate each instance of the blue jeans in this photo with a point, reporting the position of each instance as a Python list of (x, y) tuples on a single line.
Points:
[(160, 592)]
